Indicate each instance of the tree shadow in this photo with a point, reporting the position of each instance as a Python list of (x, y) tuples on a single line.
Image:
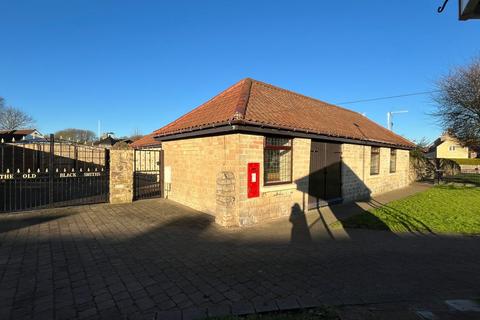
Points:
[(410, 223), (334, 207), (183, 260), (198, 222)]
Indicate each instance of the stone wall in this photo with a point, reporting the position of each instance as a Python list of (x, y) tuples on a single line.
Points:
[(358, 183), (204, 174), (121, 176), (274, 201), (210, 174), (226, 196)]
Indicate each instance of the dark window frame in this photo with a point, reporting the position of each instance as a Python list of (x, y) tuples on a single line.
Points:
[(289, 148), (393, 152), (375, 151)]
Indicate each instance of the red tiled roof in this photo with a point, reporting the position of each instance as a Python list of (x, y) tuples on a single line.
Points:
[(20, 131), (145, 141), (252, 102)]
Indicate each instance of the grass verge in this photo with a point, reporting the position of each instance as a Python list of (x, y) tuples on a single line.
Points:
[(441, 209)]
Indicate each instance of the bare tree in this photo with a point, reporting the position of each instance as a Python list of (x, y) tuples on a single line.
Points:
[(458, 103), (137, 134), (80, 135), (12, 118)]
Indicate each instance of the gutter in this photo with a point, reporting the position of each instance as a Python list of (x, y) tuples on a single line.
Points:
[(242, 126)]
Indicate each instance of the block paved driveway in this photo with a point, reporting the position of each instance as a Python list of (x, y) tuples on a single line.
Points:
[(155, 257)]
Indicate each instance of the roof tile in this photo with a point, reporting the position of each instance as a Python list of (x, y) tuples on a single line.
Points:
[(256, 103)]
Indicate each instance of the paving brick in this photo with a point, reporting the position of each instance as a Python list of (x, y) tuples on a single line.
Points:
[(308, 302), (169, 315), (232, 296), (194, 314), (289, 303), (242, 308), (219, 310), (265, 306), (87, 313), (152, 251), (145, 303)]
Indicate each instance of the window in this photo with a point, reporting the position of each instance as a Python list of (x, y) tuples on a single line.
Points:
[(393, 160), (451, 148), (375, 161), (277, 160)]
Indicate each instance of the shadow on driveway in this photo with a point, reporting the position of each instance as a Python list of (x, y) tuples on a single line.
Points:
[(157, 256)]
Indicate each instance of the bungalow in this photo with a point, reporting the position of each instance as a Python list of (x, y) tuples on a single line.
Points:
[(256, 152), (107, 141), (21, 134)]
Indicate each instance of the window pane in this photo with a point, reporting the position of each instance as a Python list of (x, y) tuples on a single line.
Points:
[(375, 160), (393, 160), (279, 142), (277, 161)]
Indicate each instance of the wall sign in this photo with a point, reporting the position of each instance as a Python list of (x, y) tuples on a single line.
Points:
[(6, 176), (68, 175)]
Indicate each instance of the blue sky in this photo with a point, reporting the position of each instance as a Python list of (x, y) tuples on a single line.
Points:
[(141, 64)]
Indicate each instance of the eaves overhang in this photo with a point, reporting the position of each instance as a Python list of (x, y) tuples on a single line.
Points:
[(241, 126)]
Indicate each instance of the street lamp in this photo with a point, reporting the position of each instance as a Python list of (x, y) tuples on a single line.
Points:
[(390, 118)]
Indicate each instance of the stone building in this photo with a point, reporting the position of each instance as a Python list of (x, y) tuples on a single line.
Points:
[(256, 152)]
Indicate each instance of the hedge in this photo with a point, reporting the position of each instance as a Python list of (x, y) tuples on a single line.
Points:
[(473, 161)]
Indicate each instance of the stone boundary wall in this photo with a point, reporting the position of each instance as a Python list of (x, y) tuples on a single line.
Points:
[(204, 175)]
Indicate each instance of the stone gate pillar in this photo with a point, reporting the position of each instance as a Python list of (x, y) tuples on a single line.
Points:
[(121, 175)]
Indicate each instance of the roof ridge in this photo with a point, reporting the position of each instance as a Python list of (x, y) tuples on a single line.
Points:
[(241, 107), (321, 101), (242, 103), (302, 95)]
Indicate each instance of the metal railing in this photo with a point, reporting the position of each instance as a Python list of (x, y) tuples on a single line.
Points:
[(464, 178), (50, 172)]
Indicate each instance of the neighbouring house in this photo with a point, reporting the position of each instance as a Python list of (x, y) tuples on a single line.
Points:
[(108, 141), (22, 134), (256, 152), (448, 147)]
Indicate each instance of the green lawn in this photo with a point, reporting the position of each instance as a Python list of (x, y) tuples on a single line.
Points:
[(441, 209)]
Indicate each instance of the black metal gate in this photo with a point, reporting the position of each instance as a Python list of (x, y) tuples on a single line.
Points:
[(148, 173), (325, 178), (48, 173)]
